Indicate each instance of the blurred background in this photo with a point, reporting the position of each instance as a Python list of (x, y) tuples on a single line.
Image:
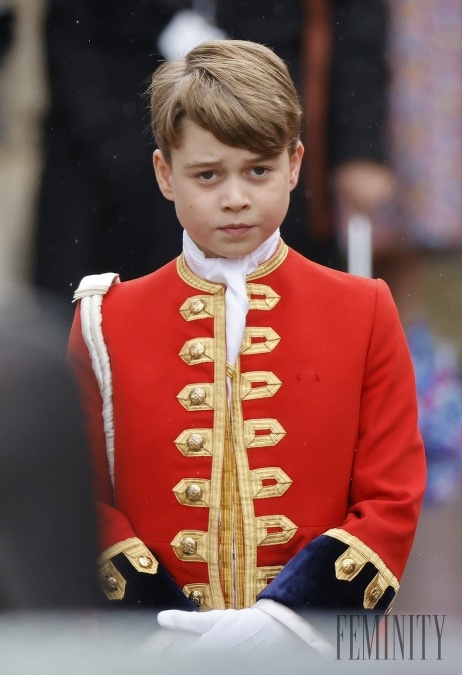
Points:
[(381, 86)]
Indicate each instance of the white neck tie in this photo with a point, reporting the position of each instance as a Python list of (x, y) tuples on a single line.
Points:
[(232, 272)]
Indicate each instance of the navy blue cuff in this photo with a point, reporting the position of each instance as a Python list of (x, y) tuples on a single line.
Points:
[(155, 591), (329, 575)]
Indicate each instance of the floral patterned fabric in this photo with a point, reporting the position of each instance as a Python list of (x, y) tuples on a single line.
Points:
[(425, 55), (439, 390)]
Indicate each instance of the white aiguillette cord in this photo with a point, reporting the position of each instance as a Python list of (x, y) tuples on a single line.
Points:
[(232, 272)]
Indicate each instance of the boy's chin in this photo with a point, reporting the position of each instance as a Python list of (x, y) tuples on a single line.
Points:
[(228, 252)]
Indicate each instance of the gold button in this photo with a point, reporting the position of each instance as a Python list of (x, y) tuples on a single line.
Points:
[(110, 583), (375, 593), (197, 396), (195, 442), (145, 561), (188, 545), (196, 350), (194, 492), (348, 566), (197, 598), (196, 306)]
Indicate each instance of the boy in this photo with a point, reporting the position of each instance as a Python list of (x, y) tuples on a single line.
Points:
[(259, 409)]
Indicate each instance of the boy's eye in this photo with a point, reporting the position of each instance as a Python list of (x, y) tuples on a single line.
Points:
[(207, 175), (259, 170)]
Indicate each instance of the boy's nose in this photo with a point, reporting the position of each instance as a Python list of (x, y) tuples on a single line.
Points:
[(234, 196)]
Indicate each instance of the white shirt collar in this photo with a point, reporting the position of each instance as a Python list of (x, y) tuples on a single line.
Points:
[(232, 272)]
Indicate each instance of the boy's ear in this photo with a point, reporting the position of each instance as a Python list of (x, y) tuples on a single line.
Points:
[(163, 172), (295, 164)]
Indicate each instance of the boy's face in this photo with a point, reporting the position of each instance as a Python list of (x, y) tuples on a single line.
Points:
[(228, 199)]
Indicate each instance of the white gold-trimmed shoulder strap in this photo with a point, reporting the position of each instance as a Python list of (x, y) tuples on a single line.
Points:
[(90, 292)]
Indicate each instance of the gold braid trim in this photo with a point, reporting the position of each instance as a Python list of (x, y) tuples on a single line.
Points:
[(193, 280), (352, 561), (212, 287), (272, 263), (112, 581), (135, 551)]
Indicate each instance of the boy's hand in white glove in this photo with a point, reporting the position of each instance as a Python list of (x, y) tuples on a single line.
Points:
[(223, 630)]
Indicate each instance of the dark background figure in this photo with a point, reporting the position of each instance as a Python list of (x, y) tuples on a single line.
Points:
[(47, 528), (6, 39), (336, 51), (99, 207), (6, 30)]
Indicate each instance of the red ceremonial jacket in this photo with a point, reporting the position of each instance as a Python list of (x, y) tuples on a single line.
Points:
[(315, 464)]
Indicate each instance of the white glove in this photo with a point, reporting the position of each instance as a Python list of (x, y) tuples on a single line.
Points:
[(223, 630)]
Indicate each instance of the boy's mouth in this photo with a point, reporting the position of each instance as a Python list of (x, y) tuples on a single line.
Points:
[(236, 229)]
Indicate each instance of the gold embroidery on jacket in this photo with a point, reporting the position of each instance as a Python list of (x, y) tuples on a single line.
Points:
[(191, 545), (136, 553), (270, 265), (230, 545), (270, 482), (193, 280), (198, 307), (199, 441), (374, 591), (351, 562), (246, 494), (198, 396), (200, 595), (232, 532), (219, 431), (259, 341), (264, 575), (198, 350), (261, 297), (259, 384), (112, 582), (195, 442), (263, 433), (193, 491), (275, 529)]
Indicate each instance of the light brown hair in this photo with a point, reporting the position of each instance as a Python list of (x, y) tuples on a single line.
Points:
[(240, 91)]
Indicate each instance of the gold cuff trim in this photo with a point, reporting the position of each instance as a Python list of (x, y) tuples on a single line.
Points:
[(262, 297), (198, 350), (198, 307), (112, 582), (273, 433), (200, 595), (259, 341), (269, 385), (135, 551), (351, 562), (374, 591), (263, 576), (191, 545), (273, 530), (195, 442), (193, 492), (280, 482), (197, 396)]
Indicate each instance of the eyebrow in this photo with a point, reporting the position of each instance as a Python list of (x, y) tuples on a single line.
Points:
[(214, 163), (202, 165)]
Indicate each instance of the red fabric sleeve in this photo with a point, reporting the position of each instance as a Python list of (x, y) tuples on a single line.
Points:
[(113, 526)]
